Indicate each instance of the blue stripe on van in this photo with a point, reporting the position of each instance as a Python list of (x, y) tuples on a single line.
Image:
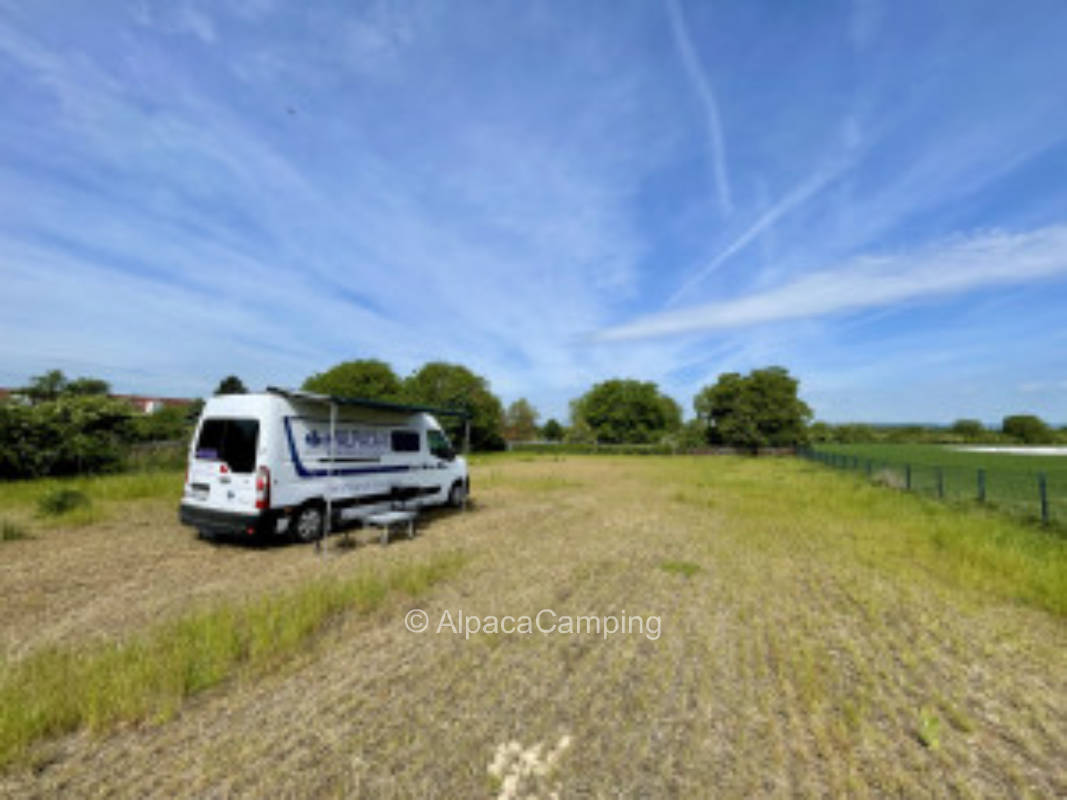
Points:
[(304, 472)]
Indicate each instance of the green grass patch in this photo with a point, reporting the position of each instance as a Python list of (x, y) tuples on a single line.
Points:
[(1009, 481), (61, 501), (56, 501), (148, 677), (161, 485), (797, 509), (12, 531), (686, 568), (949, 456)]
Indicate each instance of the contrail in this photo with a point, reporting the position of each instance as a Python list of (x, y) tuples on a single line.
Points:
[(799, 195), (697, 74)]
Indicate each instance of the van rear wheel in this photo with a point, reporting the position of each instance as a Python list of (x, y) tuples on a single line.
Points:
[(307, 525)]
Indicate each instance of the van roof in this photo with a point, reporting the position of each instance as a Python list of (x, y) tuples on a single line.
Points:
[(380, 405)]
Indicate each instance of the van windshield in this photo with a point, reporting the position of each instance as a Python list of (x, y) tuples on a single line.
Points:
[(230, 440), (439, 445)]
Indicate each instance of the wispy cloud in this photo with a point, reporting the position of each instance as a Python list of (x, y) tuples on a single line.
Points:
[(702, 85), (177, 18), (983, 260), (486, 185), (865, 18)]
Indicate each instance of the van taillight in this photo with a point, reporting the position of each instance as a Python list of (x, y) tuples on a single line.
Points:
[(262, 488)]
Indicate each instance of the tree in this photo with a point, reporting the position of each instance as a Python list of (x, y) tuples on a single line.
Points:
[(520, 421), (368, 379), (579, 431), (231, 384), (760, 409), (46, 387), (968, 428), (1027, 428), (820, 433), (854, 433), (85, 387), (622, 411), (552, 431), (193, 410), (692, 435), (454, 386)]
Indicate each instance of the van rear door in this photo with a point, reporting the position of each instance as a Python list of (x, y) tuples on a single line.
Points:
[(222, 473)]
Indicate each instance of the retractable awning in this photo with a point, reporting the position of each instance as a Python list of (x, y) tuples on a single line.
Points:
[(378, 405)]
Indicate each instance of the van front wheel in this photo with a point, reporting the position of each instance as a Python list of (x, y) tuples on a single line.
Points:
[(307, 525), (458, 495)]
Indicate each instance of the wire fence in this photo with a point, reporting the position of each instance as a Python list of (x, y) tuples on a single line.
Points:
[(1034, 495)]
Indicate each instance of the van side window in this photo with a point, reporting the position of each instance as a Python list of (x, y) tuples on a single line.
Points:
[(232, 441), (405, 441), (439, 445)]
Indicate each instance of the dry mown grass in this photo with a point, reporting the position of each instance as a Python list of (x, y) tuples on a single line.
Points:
[(818, 637)]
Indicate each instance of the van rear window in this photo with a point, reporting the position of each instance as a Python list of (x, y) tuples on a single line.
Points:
[(230, 440)]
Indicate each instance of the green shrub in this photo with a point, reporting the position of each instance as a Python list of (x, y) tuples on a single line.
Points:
[(60, 501), (67, 436)]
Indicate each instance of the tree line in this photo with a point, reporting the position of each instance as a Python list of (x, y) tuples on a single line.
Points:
[(1026, 429), (57, 426), (757, 410)]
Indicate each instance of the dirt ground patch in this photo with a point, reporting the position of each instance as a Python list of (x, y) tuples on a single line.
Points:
[(803, 656)]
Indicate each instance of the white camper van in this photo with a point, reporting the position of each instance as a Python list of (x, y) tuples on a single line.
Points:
[(301, 464)]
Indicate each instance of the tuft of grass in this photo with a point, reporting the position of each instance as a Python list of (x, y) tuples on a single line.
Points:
[(62, 501), (148, 677), (929, 730), (12, 531), (686, 568), (957, 717)]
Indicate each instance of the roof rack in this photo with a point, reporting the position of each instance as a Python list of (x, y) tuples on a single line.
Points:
[(379, 405)]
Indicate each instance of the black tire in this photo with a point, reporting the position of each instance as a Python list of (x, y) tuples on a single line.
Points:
[(457, 495), (307, 523)]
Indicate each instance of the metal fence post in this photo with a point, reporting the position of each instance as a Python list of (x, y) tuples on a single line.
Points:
[(940, 483), (907, 477), (1042, 487), (981, 486)]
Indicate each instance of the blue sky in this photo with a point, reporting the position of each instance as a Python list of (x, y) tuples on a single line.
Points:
[(872, 194)]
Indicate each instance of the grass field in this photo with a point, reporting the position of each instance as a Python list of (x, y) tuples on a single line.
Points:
[(951, 456), (1010, 480), (817, 636)]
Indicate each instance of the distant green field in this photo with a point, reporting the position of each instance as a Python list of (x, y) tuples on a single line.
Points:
[(1011, 481)]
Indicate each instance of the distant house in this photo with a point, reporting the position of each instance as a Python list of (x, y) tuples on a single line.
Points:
[(149, 405), (13, 396), (145, 404)]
